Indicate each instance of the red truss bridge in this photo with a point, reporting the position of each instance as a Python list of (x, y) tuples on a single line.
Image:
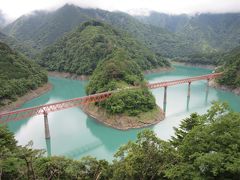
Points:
[(48, 108)]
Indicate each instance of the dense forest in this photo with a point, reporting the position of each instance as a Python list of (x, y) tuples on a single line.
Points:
[(18, 75), (82, 49), (231, 69), (43, 28), (213, 32), (18, 46), (120, 71), (204, 147)]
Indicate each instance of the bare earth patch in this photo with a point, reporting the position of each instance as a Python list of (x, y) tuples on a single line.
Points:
[(124, 122)]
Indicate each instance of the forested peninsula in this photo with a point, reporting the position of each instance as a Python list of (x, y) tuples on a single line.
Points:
[(115, 61)]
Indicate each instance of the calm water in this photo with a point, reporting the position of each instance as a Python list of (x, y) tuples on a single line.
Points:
[(75, 135)]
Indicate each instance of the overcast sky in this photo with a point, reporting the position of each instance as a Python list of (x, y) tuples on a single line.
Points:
[(15, 8)]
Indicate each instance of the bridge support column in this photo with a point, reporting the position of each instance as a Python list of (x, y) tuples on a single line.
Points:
[(46, 126), (189, 89), (165, 99), (207, 88)]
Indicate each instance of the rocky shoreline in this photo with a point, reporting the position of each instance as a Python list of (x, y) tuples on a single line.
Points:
[(68, 75), (157, 70), (27, 97), (212, 67), (124, 122), (85, 77), (214, 84)]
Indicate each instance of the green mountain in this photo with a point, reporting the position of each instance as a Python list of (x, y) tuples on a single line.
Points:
[(2, 20), (18, 75), (211, 32), (80, 50), (231, 69), (18, 46), (43, 28)]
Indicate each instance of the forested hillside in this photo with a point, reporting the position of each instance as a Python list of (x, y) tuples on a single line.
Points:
[(43, 28), (203, 147), (231, 69), (2, 20), (18, 46), (82, 49), (120, 71), (18, 75), (212, 32)]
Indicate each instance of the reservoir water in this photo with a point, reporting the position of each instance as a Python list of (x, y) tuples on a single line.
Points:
[(74, 134)]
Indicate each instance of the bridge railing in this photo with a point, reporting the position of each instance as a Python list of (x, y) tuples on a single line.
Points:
[(182, 81), (45, 109)]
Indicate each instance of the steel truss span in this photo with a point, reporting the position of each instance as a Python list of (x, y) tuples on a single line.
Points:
[(47, 108)]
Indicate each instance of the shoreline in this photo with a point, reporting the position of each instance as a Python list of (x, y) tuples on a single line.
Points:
[(214, 84), (158, 70), (27, 97), (68, 75), (123, 122), (86, 77), (211, 67)]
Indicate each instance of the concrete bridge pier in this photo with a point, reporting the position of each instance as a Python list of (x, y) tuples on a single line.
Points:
[(189, 89), (46, 126), (207, 91), (207, 88), (188, 101), (165, 99), (48, 145)]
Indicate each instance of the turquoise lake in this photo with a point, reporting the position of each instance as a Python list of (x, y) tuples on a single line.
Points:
[(74, 134)]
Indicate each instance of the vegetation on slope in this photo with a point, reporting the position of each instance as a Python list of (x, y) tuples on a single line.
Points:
[(231, 69), (121, 72), (18, 46), (202, 59), (80, 50), (43, 28), (18, 75), (212, 32), (204, 147)]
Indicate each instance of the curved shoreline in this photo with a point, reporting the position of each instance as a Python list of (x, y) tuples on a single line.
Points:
[(27, 97), (68, 75), (211, 67), (214, 84), (86, 77), (123, 122)]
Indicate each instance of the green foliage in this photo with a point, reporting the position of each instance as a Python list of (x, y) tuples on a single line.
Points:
[(143, 159), (231, 69), (82, 49), (204, 147), (18, 46), (18, 75), (43, 28), (121, 72), (118, 71), (131, 102), (205, 59)]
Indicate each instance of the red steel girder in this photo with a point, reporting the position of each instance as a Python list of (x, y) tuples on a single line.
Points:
[(47, 108)]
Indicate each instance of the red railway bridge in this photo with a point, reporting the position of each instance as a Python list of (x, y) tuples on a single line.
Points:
[(76, 102)]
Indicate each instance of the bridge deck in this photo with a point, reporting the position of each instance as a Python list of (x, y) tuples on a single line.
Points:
[(47, 108)]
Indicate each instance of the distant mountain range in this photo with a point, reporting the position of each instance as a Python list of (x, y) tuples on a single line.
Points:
[(212, 31), (2, 20), (43, 28), (168, 35)]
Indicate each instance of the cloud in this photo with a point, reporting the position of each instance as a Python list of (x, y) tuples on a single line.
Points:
[(15, 8)]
